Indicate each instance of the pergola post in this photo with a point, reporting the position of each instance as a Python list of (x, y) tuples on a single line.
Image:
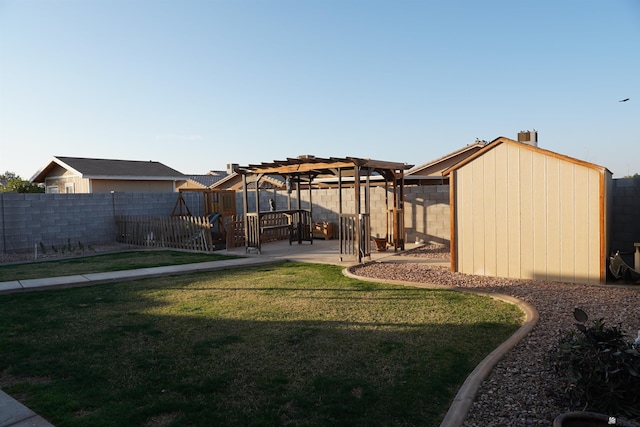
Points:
[(245, 209), (257, 178), (358, 219)]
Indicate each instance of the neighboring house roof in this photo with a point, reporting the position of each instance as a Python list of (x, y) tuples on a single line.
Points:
[(233, 181), (110, 169), (434, 168), (207, 180), (504, 140)]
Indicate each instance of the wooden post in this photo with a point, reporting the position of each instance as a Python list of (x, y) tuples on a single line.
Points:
[(245, 206), (288, 190), (257, 178), (299, 204), (310, 200), (402, 232), (367, 193), (356, 185), (340, 233)]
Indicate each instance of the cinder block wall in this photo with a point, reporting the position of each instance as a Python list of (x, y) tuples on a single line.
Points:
[(29, 220), (427, 213), (53, 219), (426, 208), (625, 216)]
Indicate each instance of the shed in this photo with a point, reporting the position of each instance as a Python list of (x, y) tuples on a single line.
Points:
[(523, 212)]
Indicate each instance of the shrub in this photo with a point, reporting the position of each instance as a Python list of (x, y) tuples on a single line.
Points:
[(600, 368)]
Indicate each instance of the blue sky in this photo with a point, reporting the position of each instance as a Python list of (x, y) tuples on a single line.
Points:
[(199, 84)]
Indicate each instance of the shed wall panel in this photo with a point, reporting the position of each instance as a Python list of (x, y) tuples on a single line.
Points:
[(567, 222), (526, 217), (582, 223), (490, 214), (502, 213), (479, 225), (465, 214), (553, 219), (513, 209), (596, 227), (529, 214), (540, 214)]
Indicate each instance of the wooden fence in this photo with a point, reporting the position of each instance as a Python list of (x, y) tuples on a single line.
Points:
[(234, 231), (355, 236), (184, 232)]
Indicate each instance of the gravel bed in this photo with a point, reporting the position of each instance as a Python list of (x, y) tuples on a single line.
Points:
[(429, 250), (522, 390)]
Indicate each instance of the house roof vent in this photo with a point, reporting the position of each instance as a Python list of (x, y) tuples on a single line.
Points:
[(528, 137)]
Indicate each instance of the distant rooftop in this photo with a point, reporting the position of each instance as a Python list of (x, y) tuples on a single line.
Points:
[(209, 179), (110, 169)]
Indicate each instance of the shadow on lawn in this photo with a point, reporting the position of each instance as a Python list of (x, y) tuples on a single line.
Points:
[(136, 353)]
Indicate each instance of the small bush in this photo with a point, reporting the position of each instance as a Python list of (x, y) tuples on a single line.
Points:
[(600, 368)]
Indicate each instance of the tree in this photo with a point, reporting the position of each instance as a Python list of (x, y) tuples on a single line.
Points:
[(10, 182)]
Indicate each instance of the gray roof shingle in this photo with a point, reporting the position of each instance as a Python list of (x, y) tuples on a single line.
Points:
[(207, 180), (119, 168)]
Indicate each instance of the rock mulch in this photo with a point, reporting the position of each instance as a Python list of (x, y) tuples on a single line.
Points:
[(523, 390)]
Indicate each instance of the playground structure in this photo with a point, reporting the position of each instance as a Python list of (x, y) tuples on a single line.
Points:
[(216, 228), (218, 206)]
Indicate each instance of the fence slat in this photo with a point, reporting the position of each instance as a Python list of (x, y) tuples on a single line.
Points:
[(184, 232)]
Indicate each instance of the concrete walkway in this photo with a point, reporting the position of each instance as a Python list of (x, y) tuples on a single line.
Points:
[(321, 251), (14, 414)]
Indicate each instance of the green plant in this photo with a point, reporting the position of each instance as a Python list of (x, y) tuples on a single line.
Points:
[(600, 368), (69, 246), (43, 248)]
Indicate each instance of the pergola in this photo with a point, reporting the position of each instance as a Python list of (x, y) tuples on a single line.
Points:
[(308, 172)]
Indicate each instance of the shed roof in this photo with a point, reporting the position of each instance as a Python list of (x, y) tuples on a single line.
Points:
[(435, 167), (110, 169), (504, 140)]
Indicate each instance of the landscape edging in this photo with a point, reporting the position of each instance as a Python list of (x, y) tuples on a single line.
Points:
[(466, 394)]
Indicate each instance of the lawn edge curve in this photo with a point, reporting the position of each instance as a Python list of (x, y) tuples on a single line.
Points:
[(463, 400)]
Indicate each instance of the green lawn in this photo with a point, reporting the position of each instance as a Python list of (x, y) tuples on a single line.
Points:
[(101, 263), (291, 344)]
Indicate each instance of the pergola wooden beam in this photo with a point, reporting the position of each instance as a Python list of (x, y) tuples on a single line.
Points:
[(304, 165)]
